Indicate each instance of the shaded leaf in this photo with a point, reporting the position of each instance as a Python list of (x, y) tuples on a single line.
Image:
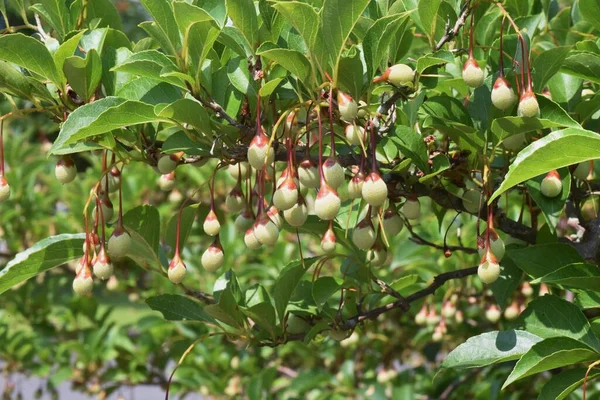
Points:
[(179, 308)]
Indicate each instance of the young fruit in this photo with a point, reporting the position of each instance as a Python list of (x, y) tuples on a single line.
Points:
[(363, 236), (496, 245), (108, 210), (346, 106), (168, 163), (308, 174), (551, 184), (114, 181), (397, 75), (528, 105), (514, 142), (493, 314), (235, 200), (265, 230), (489, 269), (585, 171), (275, 216), (421, 316), (65, 170), (392, 223), (177, 270), (355, 134), (448, 309), (286, 195), (327, 204), (374, 190), (432, 317), (244, 220), (355, 186), (377, 255), (338, 334), (250, 239), (412, 208), (471, 200), (103, 267), (526, 289), (459, 317), (333, 172), (119, 243), (503, 96), (211, 225), (297, 215), (212, 258), (259, 151), (83, 282), (472, 74), (236, 169), (166, 182), (4, 189), (512, 311), (296, 325), (437, 335), (328, 241)]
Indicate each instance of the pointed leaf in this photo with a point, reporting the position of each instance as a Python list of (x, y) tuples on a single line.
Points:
[(84, 74), (165, 23), (584, 65), (561, 385), (174, 307), (292, 60), (548, 63), (286, 283), (243, 15), (574, 276), (30, 54), (150, 64)]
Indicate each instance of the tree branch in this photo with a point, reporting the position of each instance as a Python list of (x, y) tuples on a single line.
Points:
[(452, 32)]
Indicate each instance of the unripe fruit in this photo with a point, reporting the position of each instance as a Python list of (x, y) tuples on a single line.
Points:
[(177, 270), (551, 184), (83, 282), (459, 317), (392, 223), (112, 284), (398, 75), (265, 230), (585, 171), (234, 169), (432, 317), (421, 317), (363, 236), (472, 74), (363, 109), (471, 200), (212, 258), (514, 142), (328, 241), (503, 96), (493, 314), (412, 208), (512, 312), (114, 180), (308, 174), (211, 225), (374, 190), (296, 325), (543, 290), (528, 105), (286, 195), (355, 186), (297, 215), (108, 210), (448, 310), (244, 220), (103, 267), (377, 255), (235, 200), (166, 182), (119, 243), (496, 245), (437, 335), (526, 289), (333, 172), (346, 106), (338, 335), (327, 204), (168, 163), (259, 151), (489, 269), (65, 170), (275, 216), (355, 134), (250, 239), (309, 198), (4, 189)]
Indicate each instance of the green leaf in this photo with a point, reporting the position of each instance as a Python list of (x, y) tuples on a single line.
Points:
[(505, 286), (286, 283), (268, 88), (490, 348), (556, 150), (439, 58), (549, 354), (350, 75), (30, 54), (164, 25), (263, 314), (378, 39), (141, 252), (188, 215), (15, 83), (583, 65), (550, 316), (243, 15), (149, 91), (562, 384), (551, 206), (302, 17), (145, 220), (541, 259), (187, 14), (574, 276), (587, 300), (590, 9), (106, 12), (102, 116), (551, 116), (200, 38), (412, 146), (292, 60), (174, 307), (338, 20), (325, 287), (227, 310), (66, 49), (428, 11), (56, 14), (548, 63), (186, 111), (151, 64), (42, 256), (84, 74)]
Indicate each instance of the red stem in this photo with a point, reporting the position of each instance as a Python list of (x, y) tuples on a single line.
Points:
[(320, 145), (501, 60), (471, 36), (120, 220), (331, 122), (373, 148), (2, 148)]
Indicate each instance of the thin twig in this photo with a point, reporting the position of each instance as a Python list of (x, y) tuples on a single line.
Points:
[(452, 32)]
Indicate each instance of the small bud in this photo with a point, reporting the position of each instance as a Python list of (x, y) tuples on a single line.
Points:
[(83, 282), (412, 208), (328, 241), (346, 106), (363, 236), (244, 220), (512, 311), (259, 151), (265, 230), (297, 215), (355, 134), (286, 195), (397, 75), (119, 243), (250, 239), (308, 174), (355, 186), (235, 200), (103, 267), (211, 225), (493, 314), (392, 223), (514, 142), (168, 163), (177, 270), (526, 289), (471, 200)]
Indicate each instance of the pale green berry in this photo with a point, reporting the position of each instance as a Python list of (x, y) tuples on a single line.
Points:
[(177, 270), (493, 314), (119, 244), (400, 75), (514, 142), (327, 204), (363, 236), (250, 239), (346, 106), (412, 209), (551, 185), (471, 200), (503, 96), (328, 241), (83, 283), (308, 174), (266, 231), (167, 164), (259, 152), (211, 225), (472, 74), (355, 134), (374, 190), (333, 172), (212, 258), (489, 269), (65, 170), (286, 195), (166, 182), (528, 105)]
